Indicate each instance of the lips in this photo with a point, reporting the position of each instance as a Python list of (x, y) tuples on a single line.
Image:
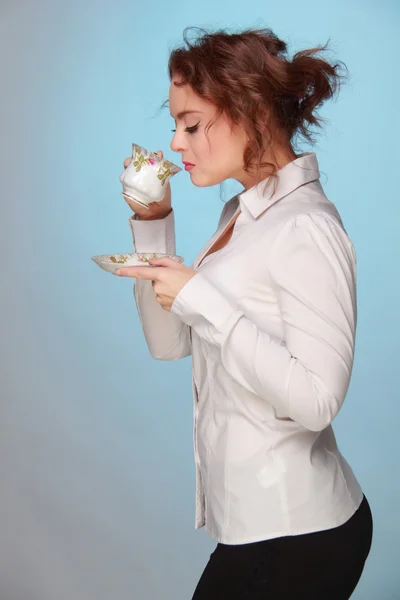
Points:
[(187, 163)]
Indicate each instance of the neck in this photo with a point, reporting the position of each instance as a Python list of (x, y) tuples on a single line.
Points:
[(278, 157)]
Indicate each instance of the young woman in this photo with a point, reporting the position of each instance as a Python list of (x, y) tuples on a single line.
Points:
[(268, 313)]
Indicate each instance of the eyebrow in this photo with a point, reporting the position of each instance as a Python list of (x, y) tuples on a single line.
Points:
[(186, 112)]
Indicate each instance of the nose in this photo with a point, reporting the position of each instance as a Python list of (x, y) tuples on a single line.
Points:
[(177, 143)]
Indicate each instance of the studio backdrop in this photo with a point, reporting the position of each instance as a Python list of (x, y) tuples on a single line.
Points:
[(97, 488)]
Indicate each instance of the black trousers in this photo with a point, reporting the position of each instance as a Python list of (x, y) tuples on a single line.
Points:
[(325, 565)]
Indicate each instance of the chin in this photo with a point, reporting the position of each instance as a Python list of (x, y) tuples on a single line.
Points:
[(204, 181)]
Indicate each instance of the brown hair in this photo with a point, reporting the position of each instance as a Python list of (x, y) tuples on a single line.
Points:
[(249, 78)]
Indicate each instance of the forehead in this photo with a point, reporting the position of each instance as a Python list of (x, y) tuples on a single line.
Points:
[(184, 99)]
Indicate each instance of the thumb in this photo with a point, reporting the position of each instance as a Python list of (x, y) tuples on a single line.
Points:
[(164, 261)]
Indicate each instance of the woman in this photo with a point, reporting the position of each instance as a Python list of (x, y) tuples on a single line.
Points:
[(268, 312)]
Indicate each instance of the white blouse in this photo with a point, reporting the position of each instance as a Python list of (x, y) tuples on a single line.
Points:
[(270, 322)]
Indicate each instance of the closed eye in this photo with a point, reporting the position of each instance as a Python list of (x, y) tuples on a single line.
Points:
[(190, 129)]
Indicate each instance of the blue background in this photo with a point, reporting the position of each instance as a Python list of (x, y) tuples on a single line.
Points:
[(96, 457)]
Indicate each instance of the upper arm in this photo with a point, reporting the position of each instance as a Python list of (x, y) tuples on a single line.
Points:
[(313, 271)]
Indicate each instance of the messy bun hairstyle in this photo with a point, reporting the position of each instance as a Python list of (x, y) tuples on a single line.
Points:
[(249, 77)]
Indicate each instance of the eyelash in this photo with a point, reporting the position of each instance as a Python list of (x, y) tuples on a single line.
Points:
[(189, 129)]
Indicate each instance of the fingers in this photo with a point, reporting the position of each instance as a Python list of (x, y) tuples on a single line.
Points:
[(165, 261), (138, 272)]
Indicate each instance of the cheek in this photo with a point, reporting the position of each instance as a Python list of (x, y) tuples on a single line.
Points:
[(227, 146), (216, 156), (211, 171), (200, 148), (225, 155)]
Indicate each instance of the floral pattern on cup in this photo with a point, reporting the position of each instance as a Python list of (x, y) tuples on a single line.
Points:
[(166, 170), (140, 161)]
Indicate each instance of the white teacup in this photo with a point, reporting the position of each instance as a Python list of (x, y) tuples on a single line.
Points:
[(145, 178)]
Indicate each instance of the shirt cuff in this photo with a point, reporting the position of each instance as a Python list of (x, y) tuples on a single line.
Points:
[(202, 306), (156, 235)]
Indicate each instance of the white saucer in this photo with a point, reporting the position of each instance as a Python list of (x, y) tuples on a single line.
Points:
[(112, 262)]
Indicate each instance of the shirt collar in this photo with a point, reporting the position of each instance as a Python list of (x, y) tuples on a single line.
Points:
[(303, 169)]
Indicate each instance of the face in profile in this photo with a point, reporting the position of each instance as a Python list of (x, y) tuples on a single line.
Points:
[(219, 154)]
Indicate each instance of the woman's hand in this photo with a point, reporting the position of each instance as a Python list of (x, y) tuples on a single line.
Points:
[(156, 210), (168, 277)]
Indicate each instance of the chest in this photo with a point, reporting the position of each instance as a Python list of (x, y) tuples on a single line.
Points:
[(240, 271), (222, 239)]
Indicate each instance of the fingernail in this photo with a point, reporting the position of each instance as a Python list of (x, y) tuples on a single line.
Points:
[(118, 272)]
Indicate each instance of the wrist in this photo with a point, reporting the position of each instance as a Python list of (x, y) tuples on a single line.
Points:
[(153, 217)]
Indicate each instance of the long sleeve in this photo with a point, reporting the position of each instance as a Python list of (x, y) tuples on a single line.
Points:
[(167, 337), (312, 270)]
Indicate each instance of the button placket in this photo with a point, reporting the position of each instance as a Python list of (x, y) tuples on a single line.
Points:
[(200, 502)]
